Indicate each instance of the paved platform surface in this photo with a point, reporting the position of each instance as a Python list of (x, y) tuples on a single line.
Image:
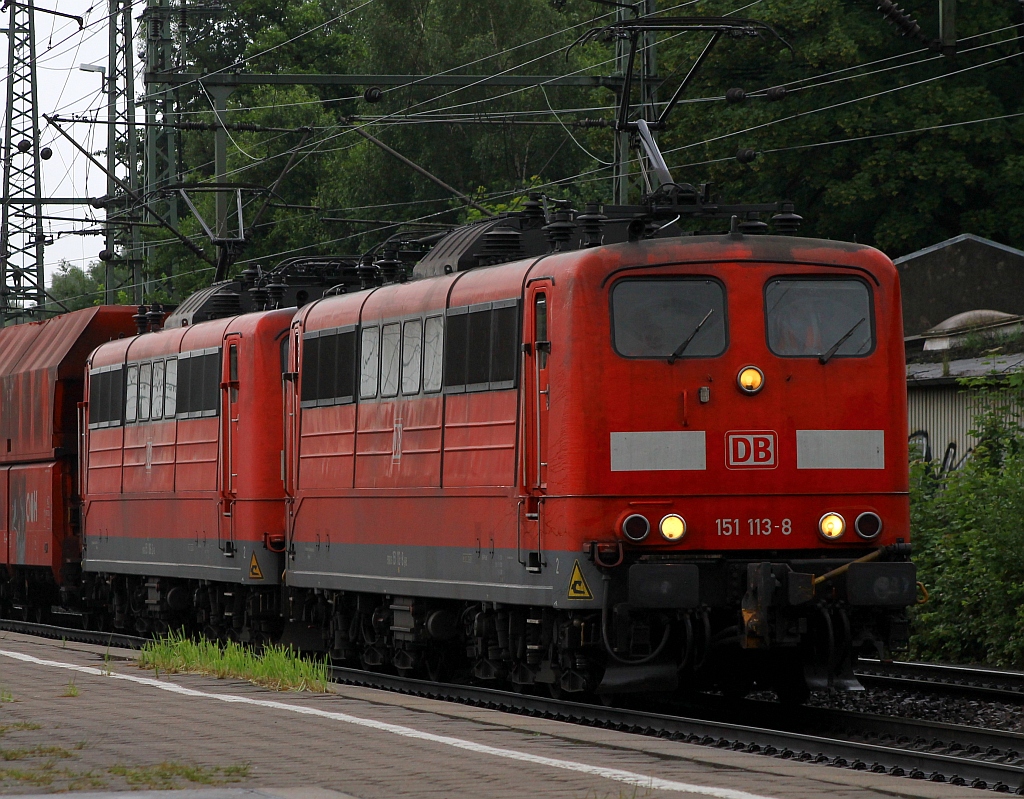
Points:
[(83, 718)]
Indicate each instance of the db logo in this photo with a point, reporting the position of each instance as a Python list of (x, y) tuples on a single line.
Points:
[(751, 450)]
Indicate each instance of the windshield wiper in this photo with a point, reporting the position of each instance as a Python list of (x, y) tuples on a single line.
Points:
[(682, 347), (824, 357)]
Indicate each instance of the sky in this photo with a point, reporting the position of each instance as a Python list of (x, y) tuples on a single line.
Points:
[(64, 89)]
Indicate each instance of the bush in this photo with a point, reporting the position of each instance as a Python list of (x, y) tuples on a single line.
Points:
[(968, 533)]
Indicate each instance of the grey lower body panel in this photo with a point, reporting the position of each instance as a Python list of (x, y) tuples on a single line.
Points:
[(189, 559), (565, 580)]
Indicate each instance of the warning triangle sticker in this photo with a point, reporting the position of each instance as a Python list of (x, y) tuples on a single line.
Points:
[(578, 588), (255, 573)]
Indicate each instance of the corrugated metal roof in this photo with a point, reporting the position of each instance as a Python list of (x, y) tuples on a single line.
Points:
[(947, 374), (957, 240)]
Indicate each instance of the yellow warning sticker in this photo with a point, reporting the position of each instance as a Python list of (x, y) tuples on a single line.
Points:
[(255, 573), (578, 588)]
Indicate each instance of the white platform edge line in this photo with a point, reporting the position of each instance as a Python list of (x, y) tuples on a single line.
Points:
[(617, 775)]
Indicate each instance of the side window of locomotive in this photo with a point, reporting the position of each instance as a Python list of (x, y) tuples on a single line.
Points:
[(662, 317), (328, 367), (131, 399), (171, 388), (106, 392), (145, 390), (158, 391), (310, 368), (198, 384), (455, 350), (819, 318), (390, 359), (433, 352), (369, 362), (481, 351), (412, 356), (504, 343)]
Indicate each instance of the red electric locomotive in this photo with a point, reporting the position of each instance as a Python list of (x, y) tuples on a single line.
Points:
[(181, 475), (596, 468)]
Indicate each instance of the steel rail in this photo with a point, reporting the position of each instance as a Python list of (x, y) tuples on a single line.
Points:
[(73, 634), (984, 683), (1004, 773)]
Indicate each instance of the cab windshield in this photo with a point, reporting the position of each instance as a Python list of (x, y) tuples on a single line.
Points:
[(819, 318), (656, 317)]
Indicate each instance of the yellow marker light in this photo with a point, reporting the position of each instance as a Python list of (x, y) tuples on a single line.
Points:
[(750, 379), (672, 527), (832, 525)]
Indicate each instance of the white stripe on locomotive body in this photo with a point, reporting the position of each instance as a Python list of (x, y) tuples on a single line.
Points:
[(659, 451), (840, 449)]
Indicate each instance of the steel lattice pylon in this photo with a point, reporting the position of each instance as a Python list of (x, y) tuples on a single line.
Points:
[(161, 161), (122, 236), (21, 236)]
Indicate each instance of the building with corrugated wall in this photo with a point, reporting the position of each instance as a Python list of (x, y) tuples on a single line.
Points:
[(942, 412)]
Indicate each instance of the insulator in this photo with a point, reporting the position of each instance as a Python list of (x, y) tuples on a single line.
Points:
[(746, 155), (46, 153), (787, 222), (24, 146), (389, 266), (533, 208), (752, 225), (141, 319), (276, 291), (106, 255), (260, 298), (775, 93), (373, 95), (561, 226), (248, 277), (367, 272), (901, 19), (735, 95), (592, 221), (156, 317)]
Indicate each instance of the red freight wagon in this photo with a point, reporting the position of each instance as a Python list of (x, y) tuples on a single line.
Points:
[(182, 473), (41, 382), (571, 463)]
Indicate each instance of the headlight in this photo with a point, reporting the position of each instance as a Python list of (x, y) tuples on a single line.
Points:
[(672, 527), (868, 525), (832, 525), (750, 379), (636, 527)]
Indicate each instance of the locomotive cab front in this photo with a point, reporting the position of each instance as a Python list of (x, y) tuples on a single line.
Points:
[(739, 481)]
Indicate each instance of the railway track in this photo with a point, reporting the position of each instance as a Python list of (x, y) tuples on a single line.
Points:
[(969, 681), (959, 755), (900, 747)]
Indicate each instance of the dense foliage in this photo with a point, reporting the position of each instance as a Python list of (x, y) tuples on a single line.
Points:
[(968, 539), (849, 75)]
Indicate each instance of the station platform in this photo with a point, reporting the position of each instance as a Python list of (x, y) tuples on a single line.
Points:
[(75, 717)]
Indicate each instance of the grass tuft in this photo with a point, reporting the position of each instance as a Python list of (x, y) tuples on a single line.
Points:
[(164, 776), (276, 667), (19, 726), (71, 690), (6, 696)]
